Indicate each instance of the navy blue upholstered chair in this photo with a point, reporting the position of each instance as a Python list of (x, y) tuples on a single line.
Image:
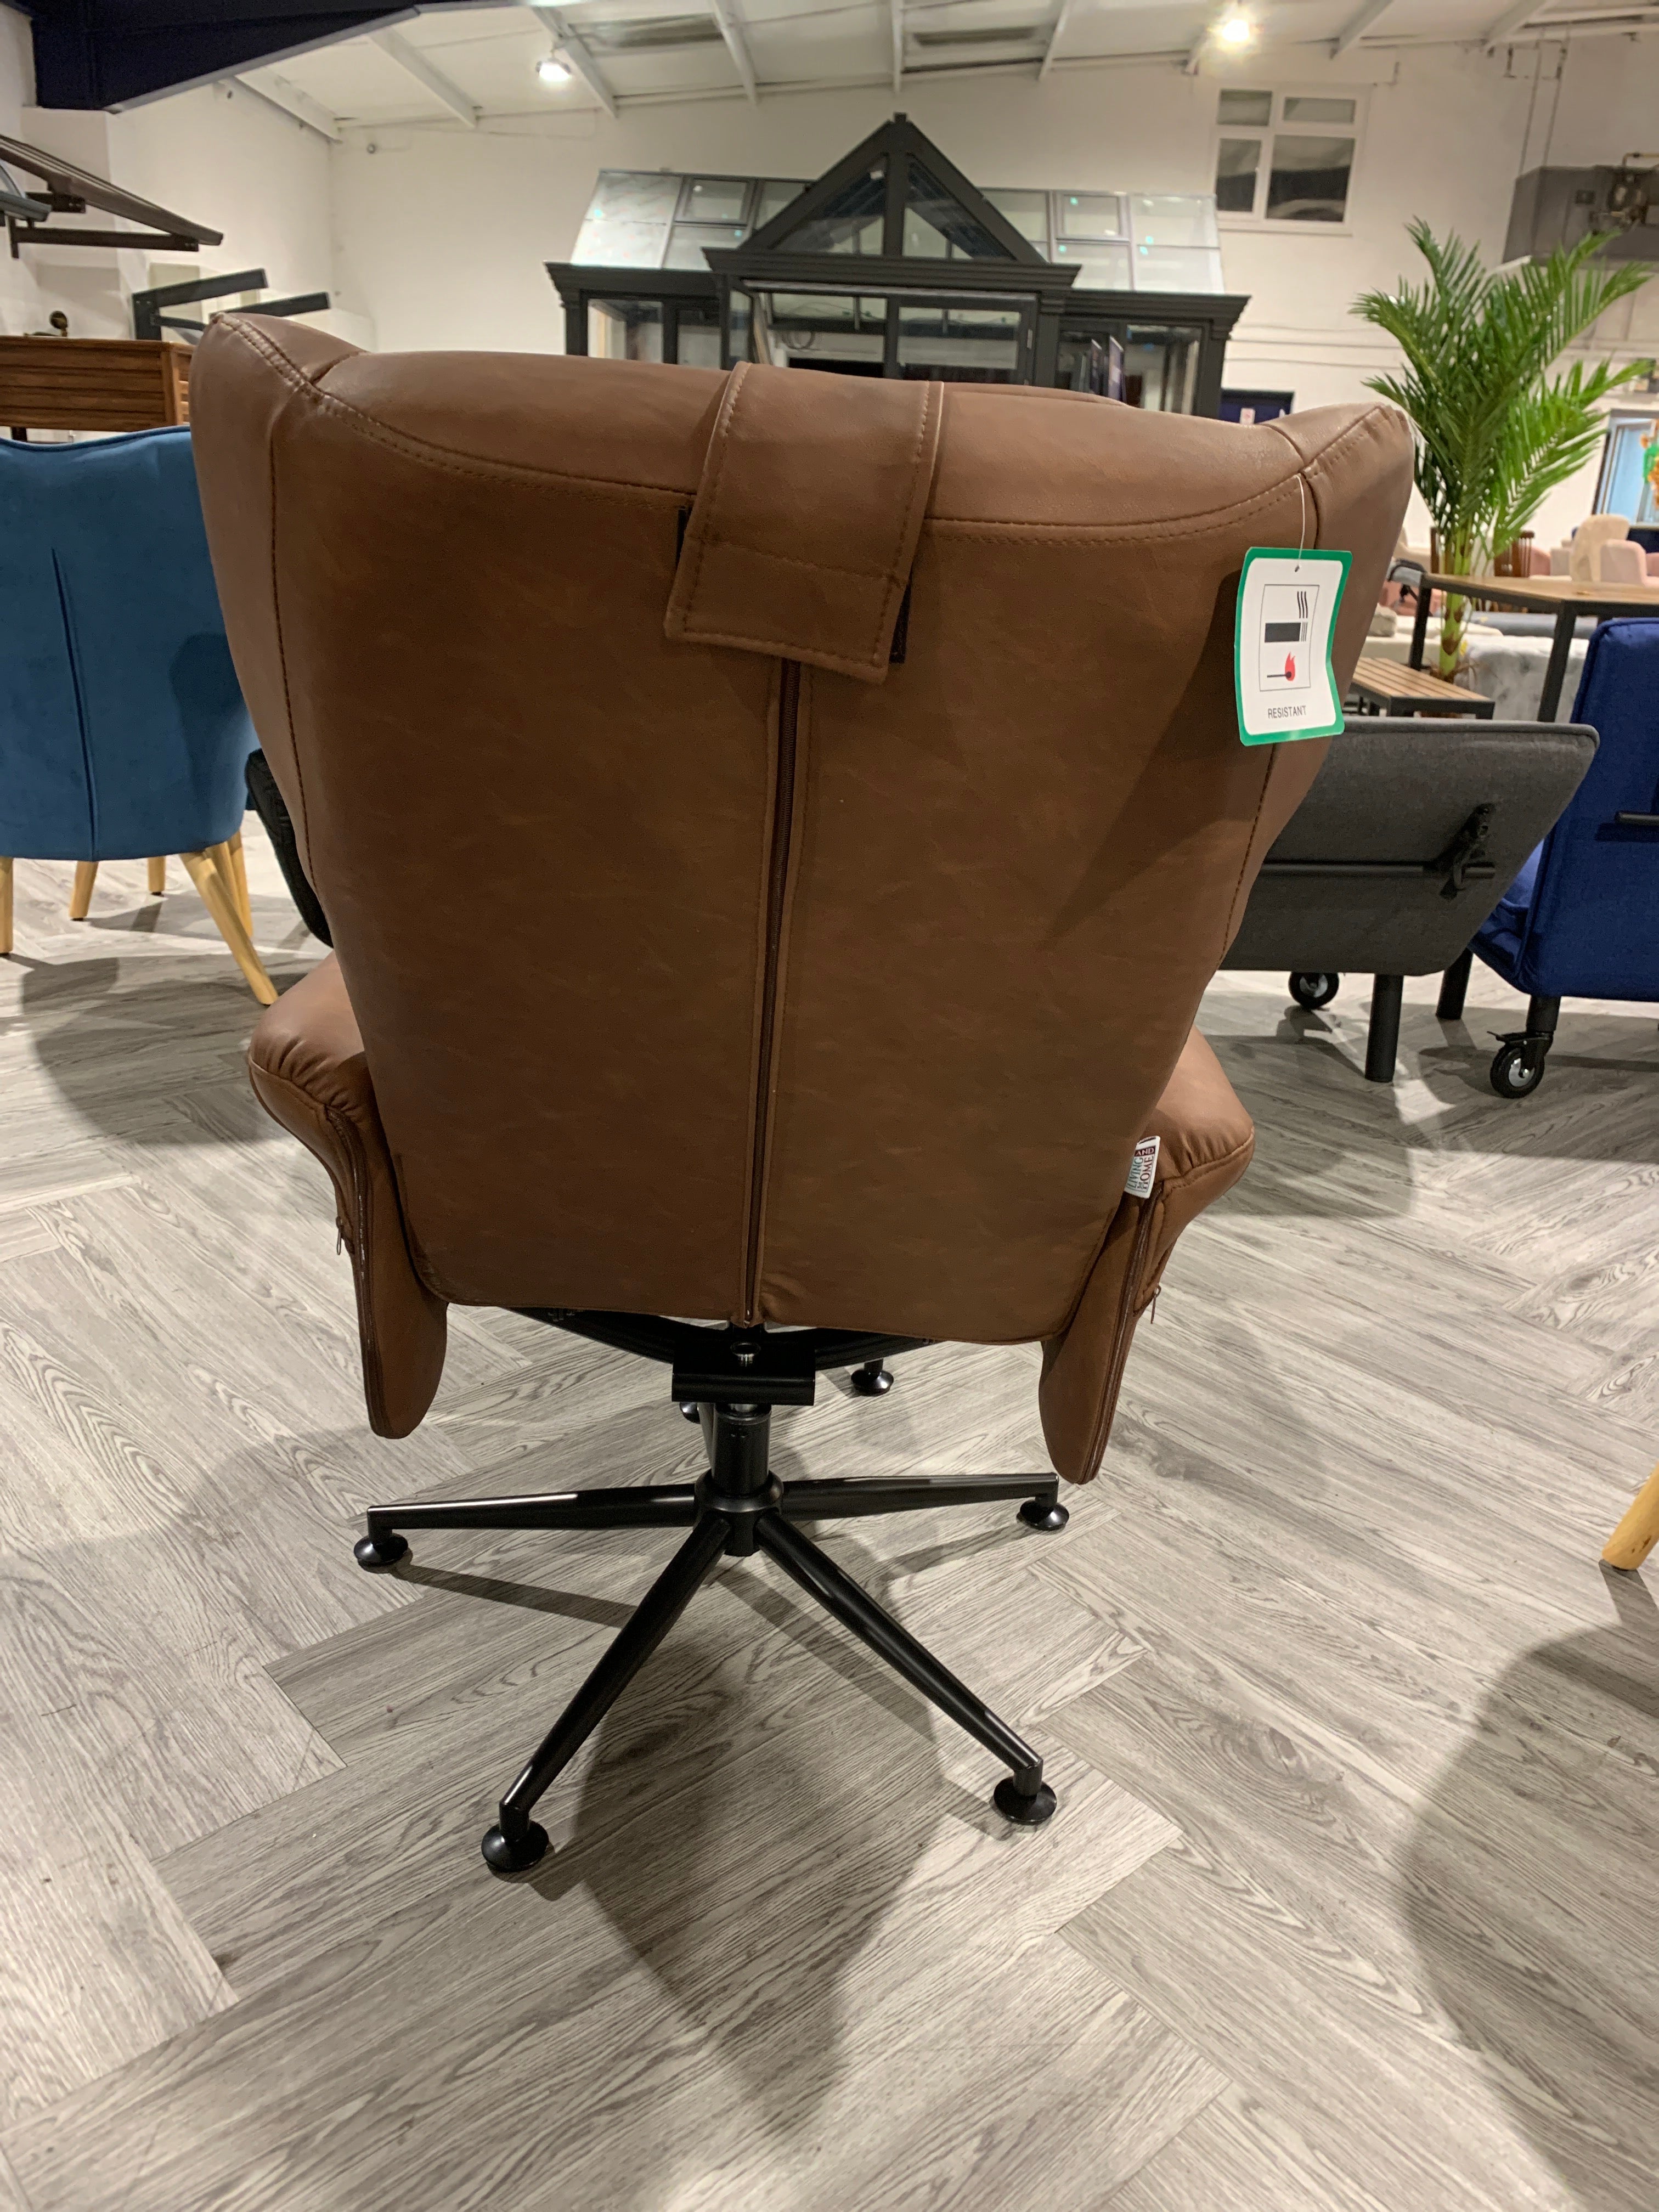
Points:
[(123, 732), (1582, 918)]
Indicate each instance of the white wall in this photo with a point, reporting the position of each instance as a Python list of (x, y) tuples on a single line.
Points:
[(230, 160), (443, 231), (446, 230), (435, 236)]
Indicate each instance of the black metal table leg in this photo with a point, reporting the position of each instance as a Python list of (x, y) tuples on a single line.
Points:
[(1025, 1796), (517, 1841), (1420, 623), (1454, 987), (1555, 674)]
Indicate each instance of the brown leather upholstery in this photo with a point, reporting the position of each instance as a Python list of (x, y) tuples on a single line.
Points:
[(769, 978), (309, 1074)]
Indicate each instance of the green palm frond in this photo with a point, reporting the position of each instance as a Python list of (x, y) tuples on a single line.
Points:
[(1496, 432)]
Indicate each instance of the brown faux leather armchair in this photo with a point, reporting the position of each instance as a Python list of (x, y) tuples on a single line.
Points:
[(740, 690)]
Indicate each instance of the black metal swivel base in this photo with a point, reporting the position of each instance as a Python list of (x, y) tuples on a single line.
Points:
[(737, 1509)]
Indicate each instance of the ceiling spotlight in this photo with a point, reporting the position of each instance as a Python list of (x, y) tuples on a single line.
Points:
[(1235, 30), (551, 70)]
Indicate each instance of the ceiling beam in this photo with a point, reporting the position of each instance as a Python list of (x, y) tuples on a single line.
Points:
[(414, 62), (736, 45), (293, 100), (574, 51), (1357, 24), (1511, 20), (1048, 51), (895, 21)]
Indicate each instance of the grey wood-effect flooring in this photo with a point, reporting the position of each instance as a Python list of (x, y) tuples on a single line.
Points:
[(1348, 1902)]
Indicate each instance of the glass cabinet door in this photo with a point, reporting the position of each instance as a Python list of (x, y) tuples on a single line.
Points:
[(959, 342), (624, 330), (1164, 362), (1160, 361)]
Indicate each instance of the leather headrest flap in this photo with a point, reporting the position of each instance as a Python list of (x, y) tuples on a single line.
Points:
[(807, 516)]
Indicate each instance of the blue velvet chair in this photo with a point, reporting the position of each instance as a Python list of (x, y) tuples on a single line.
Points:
[(123, 733), (1582, 918)]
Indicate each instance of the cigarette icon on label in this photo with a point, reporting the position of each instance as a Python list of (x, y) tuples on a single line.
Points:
[(1287, 612)]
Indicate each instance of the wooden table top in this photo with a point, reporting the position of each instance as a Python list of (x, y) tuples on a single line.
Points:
[(1393, 680), (1549, 594)]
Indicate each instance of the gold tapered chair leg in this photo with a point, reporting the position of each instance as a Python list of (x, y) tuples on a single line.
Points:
[(238, 872), (1639, 1532), (86, 875), (217, 899), (157, 884), (5, 905), (225, 860)]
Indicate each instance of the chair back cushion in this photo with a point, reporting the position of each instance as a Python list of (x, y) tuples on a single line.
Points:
[(805, 934), (1584, 561), (122, 728), (1623, 561), (1592, 924), (1399, 794)]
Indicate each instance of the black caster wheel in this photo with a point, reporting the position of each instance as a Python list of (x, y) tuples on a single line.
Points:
[(1044, 1513), (376, 1553), (505, 1853), (1515, 1072), (1024, 1812), (871, 1382), (691, 1408), (1313, 992)]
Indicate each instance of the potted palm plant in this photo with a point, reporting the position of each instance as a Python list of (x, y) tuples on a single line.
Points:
[(1495, 430)]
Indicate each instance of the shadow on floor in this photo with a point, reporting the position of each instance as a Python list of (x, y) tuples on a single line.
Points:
[(1529, 1886), (749, 1848), (123, 1042)]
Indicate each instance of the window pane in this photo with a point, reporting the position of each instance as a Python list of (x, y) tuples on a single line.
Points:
[(740, 328), (1102, 268), (627, 220), (624, 330), (1027, 211), (1624, 482), (685, 246), (1173, 218), (699, 337), (1245, 107), (973, 345), (1236, 162), (1177, 268), (825, 330), (1300, 109), (776, 195), (716, 199), (937, 225), (1092, 215), (852, 222), (1308, 181)]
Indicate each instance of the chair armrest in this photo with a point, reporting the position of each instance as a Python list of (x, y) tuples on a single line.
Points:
[(1205, 1142), (309, 1071)]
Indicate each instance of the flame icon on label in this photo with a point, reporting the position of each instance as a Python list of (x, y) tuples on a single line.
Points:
[(1289, 668)]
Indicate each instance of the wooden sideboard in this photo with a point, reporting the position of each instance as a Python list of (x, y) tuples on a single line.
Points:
[(93, 383)]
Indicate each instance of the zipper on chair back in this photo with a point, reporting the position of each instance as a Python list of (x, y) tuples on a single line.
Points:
[(783, 810)]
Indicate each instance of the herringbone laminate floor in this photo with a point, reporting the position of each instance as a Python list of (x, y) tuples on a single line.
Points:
[(1358, 1747)]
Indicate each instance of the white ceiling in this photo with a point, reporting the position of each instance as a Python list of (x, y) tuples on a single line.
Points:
[(457, 65)]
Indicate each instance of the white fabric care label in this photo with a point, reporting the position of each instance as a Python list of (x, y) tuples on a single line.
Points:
[(1282, 673), (1142, 1168)]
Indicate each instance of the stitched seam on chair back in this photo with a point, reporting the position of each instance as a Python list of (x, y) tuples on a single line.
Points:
[(72, 653)]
